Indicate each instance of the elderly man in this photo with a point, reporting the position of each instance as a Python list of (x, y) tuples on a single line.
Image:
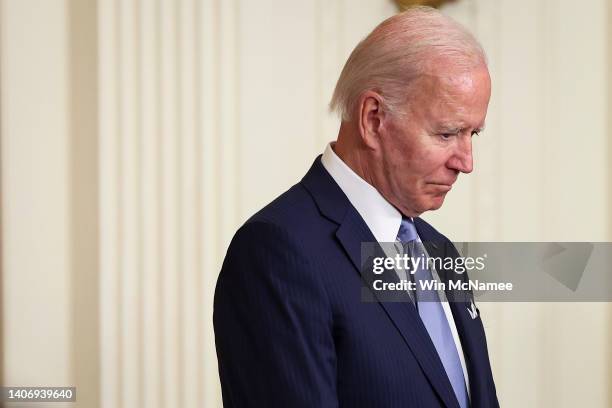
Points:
[(292, 328)]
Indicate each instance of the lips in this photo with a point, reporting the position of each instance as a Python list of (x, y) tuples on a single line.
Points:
[(441, 188), (446, 184)]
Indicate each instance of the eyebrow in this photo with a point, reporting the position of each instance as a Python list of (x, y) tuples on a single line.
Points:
[(458, 129), (480, 129)]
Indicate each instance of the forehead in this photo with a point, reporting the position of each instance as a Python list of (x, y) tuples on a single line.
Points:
[(446, 78), (449, 94)]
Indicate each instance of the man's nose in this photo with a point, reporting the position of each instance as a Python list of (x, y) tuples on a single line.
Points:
[(462, 160)]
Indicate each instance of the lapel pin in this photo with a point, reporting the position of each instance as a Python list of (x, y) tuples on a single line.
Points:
[(472, 310)]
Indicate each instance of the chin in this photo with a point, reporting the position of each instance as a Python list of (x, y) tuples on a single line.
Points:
[(423, 204), (436, 202)]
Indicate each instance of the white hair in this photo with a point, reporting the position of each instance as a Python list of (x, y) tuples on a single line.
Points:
[(399, 50)]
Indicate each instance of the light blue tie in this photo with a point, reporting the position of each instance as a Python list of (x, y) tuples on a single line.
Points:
[(432, 314)]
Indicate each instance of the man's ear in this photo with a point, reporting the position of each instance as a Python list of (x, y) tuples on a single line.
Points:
[(371, 116)]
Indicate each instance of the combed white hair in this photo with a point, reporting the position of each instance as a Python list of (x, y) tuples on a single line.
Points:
[(397, 52)]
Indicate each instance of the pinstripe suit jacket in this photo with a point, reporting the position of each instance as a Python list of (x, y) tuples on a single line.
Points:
[(291, 328)]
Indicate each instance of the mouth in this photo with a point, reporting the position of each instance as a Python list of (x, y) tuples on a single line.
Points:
[(443, 187), (447, 184)]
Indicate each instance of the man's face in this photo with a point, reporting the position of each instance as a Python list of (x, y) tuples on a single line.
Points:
[(422, 153)]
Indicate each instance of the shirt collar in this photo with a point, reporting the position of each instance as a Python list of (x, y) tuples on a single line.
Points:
[(380, 216)]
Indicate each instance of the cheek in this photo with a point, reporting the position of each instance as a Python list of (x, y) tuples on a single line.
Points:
[(413, 169), (409, 163), (434, 160)]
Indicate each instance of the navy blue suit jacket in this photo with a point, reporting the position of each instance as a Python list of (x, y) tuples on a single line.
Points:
[(291, 328)]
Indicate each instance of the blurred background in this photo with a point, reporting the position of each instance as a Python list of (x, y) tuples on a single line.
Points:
[(137, 135)]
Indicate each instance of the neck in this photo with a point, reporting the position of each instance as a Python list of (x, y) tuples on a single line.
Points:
[(348, 149), (358, 157)]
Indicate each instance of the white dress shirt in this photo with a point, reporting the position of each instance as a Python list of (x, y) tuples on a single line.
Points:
[(382, 219)]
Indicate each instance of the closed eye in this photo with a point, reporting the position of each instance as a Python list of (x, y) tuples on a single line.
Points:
[(447, 136)]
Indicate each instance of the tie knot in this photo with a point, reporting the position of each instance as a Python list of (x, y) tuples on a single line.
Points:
[(407, 231)]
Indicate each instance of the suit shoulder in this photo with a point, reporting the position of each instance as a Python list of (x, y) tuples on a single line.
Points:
[(288, 211), (275, 234), (292, 220)]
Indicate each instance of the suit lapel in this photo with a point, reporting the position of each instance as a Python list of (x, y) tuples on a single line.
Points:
[(464, 323), (352, 231)]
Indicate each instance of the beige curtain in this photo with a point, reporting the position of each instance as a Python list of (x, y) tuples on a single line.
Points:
[(137, 135)]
